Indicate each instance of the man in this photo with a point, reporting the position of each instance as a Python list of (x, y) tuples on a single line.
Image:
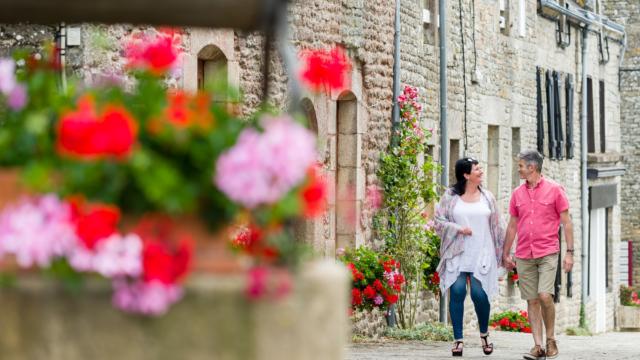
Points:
[(537, 208)]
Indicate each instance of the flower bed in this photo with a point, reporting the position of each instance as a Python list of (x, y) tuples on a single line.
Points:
[(514, 321)]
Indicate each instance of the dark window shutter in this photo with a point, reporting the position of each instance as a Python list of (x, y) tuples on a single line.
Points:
[(551, 115), (569, 115), (557, 119), (539, 113)]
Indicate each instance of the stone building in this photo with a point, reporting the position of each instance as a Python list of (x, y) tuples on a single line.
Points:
[(495, 50), (625, 12)]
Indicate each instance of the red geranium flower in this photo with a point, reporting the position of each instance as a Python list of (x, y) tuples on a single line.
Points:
[(252, 241), (377, 284), (94, 222), (87, 134), (322, 67), (314, 194), (156, 53), (435, 278), (356, 297), (504, 322), (166, 255), (369, 292)]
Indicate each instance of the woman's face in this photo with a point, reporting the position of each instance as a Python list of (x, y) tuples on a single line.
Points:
[(475, 176)]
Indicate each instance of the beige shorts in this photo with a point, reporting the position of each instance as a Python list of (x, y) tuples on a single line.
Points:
[(537, 276)]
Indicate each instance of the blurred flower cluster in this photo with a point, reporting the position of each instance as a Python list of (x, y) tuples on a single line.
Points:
[(148, 150)]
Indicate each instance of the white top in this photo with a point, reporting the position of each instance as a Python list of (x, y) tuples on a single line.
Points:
[(478, 256)]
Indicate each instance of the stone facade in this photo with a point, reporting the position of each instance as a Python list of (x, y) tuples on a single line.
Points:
[(500, 102), (491, 106), (625, 12)]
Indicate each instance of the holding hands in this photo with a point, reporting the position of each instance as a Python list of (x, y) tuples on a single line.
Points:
[(465, 231)]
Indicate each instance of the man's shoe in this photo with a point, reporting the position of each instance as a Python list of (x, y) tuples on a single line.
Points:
[(552, 348), (536, 353)]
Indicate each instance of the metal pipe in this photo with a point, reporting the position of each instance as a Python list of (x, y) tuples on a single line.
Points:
[(583, 172), (583, 16), (395, 116), (444, 133)]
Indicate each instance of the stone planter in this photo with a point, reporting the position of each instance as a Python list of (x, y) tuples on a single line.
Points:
[(629, 317), (214, 321)]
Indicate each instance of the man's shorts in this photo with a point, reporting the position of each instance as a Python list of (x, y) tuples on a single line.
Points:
[(537, 276)]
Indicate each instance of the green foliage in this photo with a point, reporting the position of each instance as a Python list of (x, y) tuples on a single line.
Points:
[(578, 331), (424, 332), (407, 179)]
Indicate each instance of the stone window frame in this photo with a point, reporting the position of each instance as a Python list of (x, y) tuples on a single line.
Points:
[(199, 39)]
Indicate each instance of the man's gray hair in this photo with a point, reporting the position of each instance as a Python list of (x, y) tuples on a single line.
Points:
[(532, 157)]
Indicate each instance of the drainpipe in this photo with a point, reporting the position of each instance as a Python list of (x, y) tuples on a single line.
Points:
[(583, 170), (444, 133), (395, 116), (63, 56)]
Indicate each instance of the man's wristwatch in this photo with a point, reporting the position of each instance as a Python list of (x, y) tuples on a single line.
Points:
[(569, 251)]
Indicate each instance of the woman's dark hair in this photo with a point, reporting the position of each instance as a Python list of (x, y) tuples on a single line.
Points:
[(463, 166)]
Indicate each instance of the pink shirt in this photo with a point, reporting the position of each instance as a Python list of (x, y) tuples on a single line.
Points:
[(538, 212)]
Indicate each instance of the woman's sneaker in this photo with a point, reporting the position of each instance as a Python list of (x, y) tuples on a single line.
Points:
[(536, 353)]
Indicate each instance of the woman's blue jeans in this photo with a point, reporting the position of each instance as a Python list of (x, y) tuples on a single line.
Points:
[(457, 294)]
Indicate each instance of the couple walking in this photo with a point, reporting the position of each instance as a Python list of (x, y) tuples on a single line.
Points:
[(475, 244)]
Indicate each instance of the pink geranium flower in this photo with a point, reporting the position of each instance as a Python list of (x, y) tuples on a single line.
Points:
[(262, 167), (145, 298), (37, 230)]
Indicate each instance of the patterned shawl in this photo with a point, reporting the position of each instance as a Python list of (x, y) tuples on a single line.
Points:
[(452, 243)]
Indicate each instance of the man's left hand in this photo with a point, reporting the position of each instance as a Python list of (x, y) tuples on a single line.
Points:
[(567, 264)]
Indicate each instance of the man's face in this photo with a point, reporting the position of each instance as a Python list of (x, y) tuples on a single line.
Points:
[(525, 170)]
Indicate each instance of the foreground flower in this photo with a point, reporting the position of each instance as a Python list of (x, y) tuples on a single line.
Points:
[(262, 167), (314, 194), (14, 92), (156, 53), (145, 298), (119, 256), (185, 110), (7, 75), (328, 68), (36, 231), (87, 133)]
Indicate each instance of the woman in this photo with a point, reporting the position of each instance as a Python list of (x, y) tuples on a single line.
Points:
[(470, 227)]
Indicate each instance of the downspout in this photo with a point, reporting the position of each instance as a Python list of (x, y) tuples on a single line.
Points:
[(444, 133), (583, 170), (395, 116), (63, 56)]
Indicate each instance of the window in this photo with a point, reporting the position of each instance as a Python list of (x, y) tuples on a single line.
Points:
[(493, 170), (591, 140), (430, 21), (504, 17), (515, 150), (603, 127), (454, 155), (212, 66)]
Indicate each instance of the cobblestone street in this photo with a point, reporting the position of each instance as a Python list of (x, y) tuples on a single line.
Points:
[(610, 346)]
